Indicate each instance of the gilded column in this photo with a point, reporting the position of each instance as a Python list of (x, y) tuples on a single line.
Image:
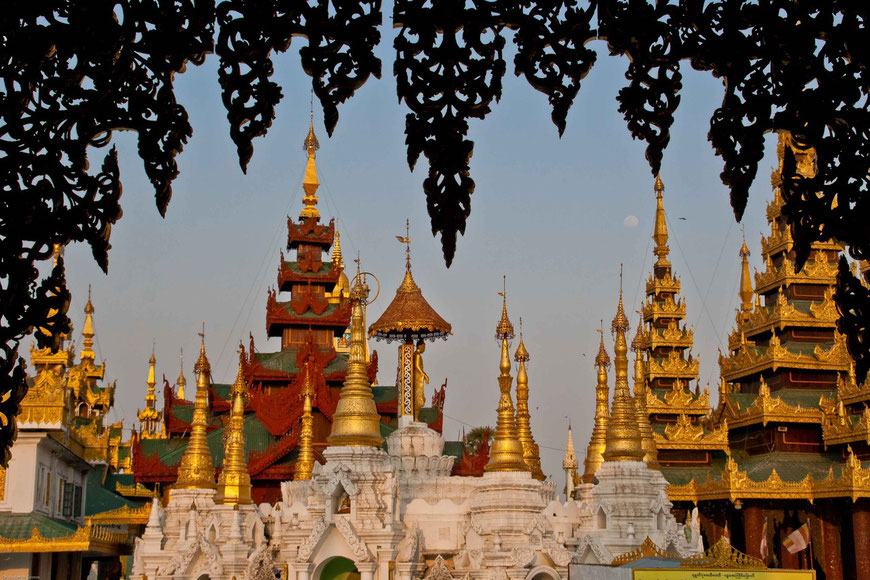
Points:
[(356, 422), (196, 470), (598, 441), (506, 453), (234, 483), (623, 440), (648, 442), (524, 429), (305, 458)]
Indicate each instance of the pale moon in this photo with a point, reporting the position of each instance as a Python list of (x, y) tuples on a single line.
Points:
[(630, 221)]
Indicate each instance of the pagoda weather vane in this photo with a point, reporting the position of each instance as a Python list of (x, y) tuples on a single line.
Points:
[(410, 319)]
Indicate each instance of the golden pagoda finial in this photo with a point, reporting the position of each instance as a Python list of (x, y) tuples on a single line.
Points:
[(660, 234), (504, 329), (305, 457), (648, 443), (234, 483), (88, 331), (623, 440), (356, 422), (506, 453), (310, 182), (746, 292), (151, 398), (569, 464), (598, 441), (337, 258), (182, 382), (531, 452), (196, 470)]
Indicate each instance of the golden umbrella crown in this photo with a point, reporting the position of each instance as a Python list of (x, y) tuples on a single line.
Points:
[(409, 314)]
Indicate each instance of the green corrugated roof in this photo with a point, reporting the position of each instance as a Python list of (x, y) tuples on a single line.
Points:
[(115, 478), (257, 438), (384, 393), (222, 390), (20, 526), (285, 361), (791, 467), (294, 267), (808, 399), (98, 499)]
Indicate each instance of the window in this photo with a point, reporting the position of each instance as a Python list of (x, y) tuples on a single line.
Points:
[(60, 485), (40, 485), (47, 501), (68, 499), (77, 501)]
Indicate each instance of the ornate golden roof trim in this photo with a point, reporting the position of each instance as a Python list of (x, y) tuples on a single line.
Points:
[(123, 515), (687, 435), (749, 362), (817, 271), (674, 366), (723, 555), (678, 401), (766, 409), (822, 314), (854, 483), (648, 549), (135, 490), (666, 308), (667, 283), (838, 428), (88, 538)]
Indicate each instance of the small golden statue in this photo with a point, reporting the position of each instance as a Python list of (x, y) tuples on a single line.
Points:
[(420, 379)]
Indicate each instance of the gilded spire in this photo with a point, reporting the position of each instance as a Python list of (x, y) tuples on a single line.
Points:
[(531, 453), (310, 182), (151, 398), (648, 443), (196, 470), (746, 291), (660, 234), (569, 464), (598, 441), (149, 417), (506, 453), (504, 329), (305, 458), (234, 483), (337, 259), (181, 381), (623, 440), (88, 331), (356, 422)]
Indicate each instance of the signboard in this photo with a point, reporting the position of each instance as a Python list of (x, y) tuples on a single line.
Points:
[(711, 574)]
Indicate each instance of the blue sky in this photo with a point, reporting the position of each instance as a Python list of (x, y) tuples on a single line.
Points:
[(548, 213)]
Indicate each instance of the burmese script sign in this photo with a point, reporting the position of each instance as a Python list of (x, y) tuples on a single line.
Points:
[(684, 574)]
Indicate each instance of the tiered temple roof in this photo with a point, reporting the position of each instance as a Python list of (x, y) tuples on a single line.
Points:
[(311, 324), (678, 416), (796, 421)]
